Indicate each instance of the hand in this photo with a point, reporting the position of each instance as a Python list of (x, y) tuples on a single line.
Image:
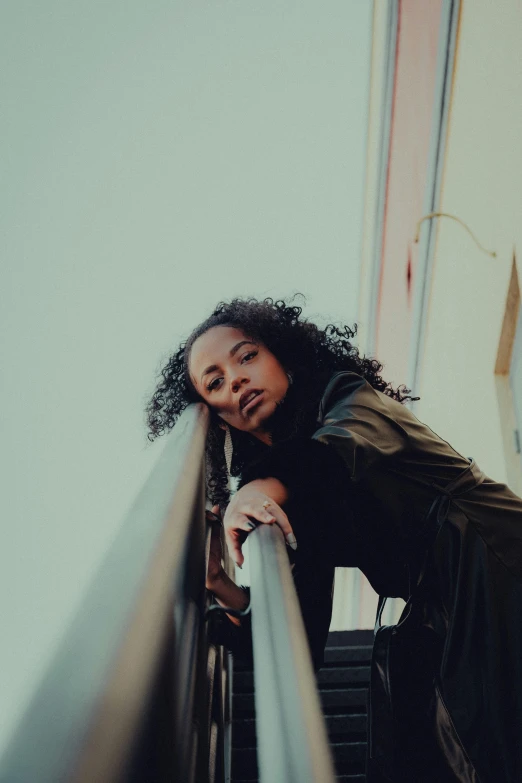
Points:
[(252, 503), (215, 567)]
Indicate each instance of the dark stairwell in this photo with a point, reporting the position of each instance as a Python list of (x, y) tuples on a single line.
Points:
[(343, 685)]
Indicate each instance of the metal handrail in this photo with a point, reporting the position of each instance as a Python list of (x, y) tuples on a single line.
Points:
[(123, 681), (292, 743)]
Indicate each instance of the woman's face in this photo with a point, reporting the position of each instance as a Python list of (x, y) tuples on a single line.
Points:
[(239, 378)]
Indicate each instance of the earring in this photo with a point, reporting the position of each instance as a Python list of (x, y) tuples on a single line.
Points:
[(290, 378), (228, 448)]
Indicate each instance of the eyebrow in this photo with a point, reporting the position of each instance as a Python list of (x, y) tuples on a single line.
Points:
[(232, 352)]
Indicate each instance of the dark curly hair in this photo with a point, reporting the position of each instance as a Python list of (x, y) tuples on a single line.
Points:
[(309, 353)]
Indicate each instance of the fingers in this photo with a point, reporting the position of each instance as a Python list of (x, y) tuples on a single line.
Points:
[(269, 512), (284, 524), (240, 521), (239, 525), (256, 510), (234, 543), (247, 508), (214, 515)]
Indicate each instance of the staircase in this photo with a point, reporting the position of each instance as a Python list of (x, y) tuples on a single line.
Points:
[(343, 684)]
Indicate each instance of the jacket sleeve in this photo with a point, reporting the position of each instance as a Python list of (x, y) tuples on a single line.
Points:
[(359, 423)]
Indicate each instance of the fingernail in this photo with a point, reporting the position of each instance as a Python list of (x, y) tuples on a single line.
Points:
[(239, 566), (291, 540), (252, 525)]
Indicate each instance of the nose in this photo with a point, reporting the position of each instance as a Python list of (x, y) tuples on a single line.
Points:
[(237, 382)]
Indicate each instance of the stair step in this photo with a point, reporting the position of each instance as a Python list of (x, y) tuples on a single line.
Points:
[(349, 758), (339, 726), (343, 676), (346, 727), (340, 779), (342, 653), (329, 677), (348, 655), (244, 730), (343, 689), (350, 638), (336, 700), (339, 648)]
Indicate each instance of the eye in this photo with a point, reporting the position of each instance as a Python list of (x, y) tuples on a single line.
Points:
[(248, 356), (213, 384)]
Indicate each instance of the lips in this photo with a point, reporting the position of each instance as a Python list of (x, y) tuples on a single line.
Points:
[(247, 397)]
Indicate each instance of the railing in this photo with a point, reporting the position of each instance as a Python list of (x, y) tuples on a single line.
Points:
[(292, 743), (135, 693), (117, 701)]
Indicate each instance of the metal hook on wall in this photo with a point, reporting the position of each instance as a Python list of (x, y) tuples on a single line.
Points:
[(453, 217)]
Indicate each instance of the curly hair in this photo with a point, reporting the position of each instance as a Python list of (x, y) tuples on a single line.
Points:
[(310, 354)]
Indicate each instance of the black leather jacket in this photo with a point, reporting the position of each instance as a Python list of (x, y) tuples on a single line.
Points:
[(376, 488)]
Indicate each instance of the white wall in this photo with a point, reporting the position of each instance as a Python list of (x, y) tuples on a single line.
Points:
[(482, 187), (157, 157)]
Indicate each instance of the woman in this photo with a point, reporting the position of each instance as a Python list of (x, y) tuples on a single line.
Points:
[(326, 449)]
